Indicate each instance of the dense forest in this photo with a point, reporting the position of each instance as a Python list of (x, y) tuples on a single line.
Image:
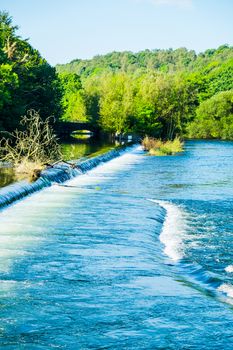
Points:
[(161, 93)]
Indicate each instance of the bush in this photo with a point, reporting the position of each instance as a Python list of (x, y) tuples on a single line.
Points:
[(149, 142), (162, 148)]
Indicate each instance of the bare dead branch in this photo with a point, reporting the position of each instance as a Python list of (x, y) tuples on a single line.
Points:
[(36, 144)]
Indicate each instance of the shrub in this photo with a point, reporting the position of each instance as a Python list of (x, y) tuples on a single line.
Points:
[(150, 142), (162, 148)]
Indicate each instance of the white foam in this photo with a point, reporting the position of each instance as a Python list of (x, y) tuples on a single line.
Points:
[(227, 289), (229, 269), (173, 230)]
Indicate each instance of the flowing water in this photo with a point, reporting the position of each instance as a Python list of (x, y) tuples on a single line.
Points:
[(135, 254)]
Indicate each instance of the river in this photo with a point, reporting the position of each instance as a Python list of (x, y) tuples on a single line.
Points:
[(135, 254)]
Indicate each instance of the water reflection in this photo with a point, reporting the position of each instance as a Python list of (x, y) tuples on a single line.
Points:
[(7, 176), (77, 147)]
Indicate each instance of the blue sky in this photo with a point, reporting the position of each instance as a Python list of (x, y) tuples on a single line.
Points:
[(63, 30)]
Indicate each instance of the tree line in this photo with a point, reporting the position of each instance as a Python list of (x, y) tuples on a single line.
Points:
[(160, 93)]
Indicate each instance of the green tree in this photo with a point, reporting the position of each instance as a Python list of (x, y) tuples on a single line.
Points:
[(73, 100), (116, 103), (8, 82), (164, 103), (214, 118), (33, 81), (146, 119)]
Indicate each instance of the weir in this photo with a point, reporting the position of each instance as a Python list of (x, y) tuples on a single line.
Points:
[(57, 174)]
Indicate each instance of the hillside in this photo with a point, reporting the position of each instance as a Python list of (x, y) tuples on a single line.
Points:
[(161, 60)]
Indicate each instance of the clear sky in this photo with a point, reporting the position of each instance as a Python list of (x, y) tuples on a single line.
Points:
[(63, 30)]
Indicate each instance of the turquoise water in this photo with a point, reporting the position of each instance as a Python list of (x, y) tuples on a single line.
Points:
[(136, 254)]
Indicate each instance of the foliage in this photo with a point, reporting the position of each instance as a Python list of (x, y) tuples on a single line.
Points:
[(150, 142), (8, 81), (162, 148), (148, 60), (155, 104), (153, 93), (32, 147), (26, 79), (116, 103), (73, 99), (172, 98), (92, 101), (168, 148), (214, 118)]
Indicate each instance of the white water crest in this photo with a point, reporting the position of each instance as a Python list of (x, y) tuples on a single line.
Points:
[(173, 231), (106, 171), (229, 269), (226, 289)]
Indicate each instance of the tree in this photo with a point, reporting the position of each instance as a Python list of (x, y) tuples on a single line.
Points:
[(164, 103), (73, 100), (116, 103), (28, 80), (153, 92), (214, 118), (8, 83), (146, 119)]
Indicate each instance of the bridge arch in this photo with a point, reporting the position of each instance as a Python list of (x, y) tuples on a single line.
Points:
[(66, 128)]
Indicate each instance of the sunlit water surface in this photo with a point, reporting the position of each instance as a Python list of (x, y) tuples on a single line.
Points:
[(136, 254)]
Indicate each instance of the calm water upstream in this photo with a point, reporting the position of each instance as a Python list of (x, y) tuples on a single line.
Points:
[(136, 254), (73, 148)]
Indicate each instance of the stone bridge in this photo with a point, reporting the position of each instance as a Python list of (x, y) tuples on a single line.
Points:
[(66, 128)]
